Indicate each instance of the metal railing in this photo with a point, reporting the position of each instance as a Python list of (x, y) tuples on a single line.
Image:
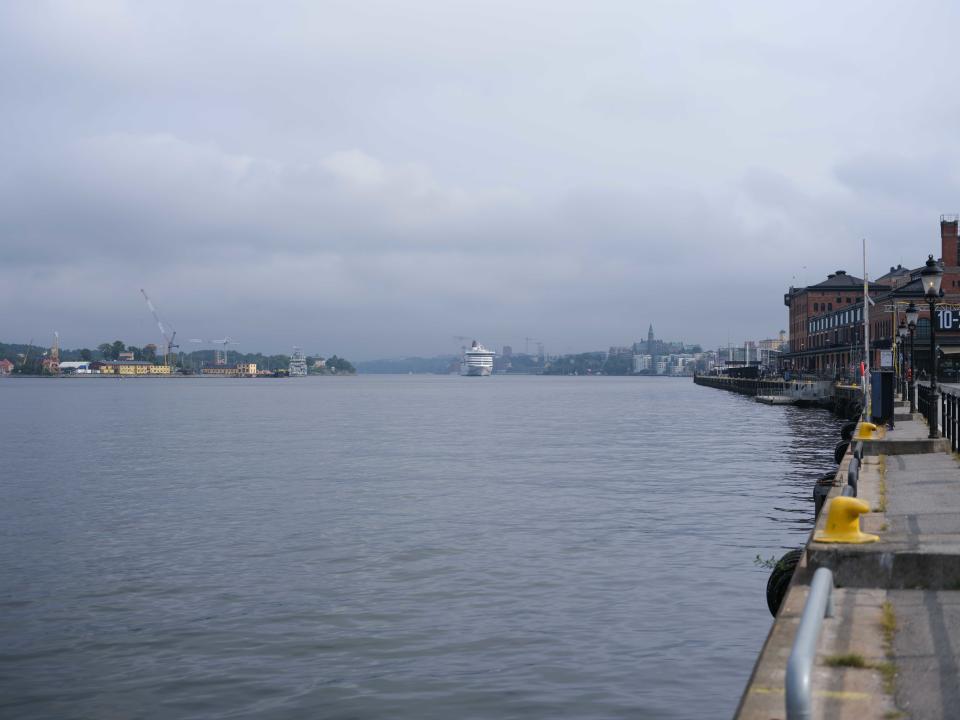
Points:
[(948, 410), (923, 399), (853, 471), (799, 693), (950, 416)]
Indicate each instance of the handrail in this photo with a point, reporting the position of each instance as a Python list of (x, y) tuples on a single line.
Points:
[(800, 665), (853, 474)]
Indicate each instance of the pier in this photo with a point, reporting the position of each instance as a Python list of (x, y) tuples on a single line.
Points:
[(889, 646), (842, 399)]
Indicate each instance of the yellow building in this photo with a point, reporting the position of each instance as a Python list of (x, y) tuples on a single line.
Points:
[(238, 370), (133, 367)]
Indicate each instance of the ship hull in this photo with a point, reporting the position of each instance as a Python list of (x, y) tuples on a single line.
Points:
[(474, 371)]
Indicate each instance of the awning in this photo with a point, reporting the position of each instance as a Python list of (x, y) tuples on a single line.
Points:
[(954, 350)]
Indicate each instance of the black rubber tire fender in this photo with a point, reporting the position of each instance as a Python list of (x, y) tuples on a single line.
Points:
[(840, 450), (779, 579), (846, 432)]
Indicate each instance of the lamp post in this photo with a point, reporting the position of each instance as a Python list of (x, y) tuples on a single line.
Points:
[(913, 313), (932, 275), (902, 334)]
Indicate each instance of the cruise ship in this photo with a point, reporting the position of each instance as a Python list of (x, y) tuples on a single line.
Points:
[(477, 360)]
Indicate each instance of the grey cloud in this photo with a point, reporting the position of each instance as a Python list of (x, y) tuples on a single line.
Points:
[(372, 179)]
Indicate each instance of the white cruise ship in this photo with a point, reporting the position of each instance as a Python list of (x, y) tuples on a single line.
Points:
[(477, 360)]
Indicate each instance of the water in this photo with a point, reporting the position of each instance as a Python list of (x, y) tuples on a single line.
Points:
[(402, 547)]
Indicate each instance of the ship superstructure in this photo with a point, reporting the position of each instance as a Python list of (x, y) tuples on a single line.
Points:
[(298, 364), (477, 360)]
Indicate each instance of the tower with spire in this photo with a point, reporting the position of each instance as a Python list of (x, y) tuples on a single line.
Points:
[(650, 338)]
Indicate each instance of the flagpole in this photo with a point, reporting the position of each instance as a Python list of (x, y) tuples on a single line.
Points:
[(866, 335)]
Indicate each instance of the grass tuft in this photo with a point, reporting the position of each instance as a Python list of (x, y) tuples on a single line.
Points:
[(888, 623), (882, 506), (854, 660), (889, 672)]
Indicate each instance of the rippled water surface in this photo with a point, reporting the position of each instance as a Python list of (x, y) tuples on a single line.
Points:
[(391, 547)]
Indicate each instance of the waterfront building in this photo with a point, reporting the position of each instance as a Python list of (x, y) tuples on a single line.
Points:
[(642, 363), (837, 292), (775, 344), (79, 367), (129, 368), (6, 367), (235, 370), (827, 339)]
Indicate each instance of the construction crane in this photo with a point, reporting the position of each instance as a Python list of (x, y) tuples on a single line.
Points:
[(26, 356), (168, 344), (52, 363), (220, 358)]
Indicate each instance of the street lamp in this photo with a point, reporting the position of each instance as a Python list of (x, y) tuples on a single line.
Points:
[(902, 334), (913, 313), (932, 275)]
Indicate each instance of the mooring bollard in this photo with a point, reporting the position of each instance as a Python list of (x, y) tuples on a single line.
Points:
[(843, 522)]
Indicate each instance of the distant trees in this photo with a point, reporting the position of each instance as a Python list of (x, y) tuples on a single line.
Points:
[(582, 364), (86, 355), (111, 351), (339, 365), (618, 365)]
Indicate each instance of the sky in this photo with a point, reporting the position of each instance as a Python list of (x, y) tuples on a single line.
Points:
[(374, 179)]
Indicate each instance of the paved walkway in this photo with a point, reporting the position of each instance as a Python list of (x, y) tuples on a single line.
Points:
[(923, 505), (897, 601)]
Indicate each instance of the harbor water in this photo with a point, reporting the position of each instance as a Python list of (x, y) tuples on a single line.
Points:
[(392, 546)]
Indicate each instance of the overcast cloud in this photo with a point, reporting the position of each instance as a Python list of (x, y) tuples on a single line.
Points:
[(373, 178)]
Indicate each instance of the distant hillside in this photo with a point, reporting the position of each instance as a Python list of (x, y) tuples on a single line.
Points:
[(417, 365)]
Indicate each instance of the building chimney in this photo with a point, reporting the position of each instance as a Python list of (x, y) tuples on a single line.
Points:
[(948, 240)]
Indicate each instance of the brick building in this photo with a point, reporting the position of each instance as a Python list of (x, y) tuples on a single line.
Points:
[(808, 305), (826, 320)]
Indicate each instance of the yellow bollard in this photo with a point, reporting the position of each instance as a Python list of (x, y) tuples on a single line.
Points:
[(843, 522), (865, 430)]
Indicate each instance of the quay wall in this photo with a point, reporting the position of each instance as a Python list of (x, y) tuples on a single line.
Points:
[(844, 400), (744, 386)]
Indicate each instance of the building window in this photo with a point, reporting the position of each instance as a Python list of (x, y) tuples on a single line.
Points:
[(829, 306), (816, 307), (849, 300)]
